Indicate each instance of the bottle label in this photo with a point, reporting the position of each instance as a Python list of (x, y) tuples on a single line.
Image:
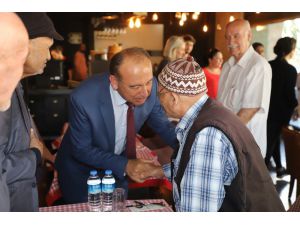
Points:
[(94, 189), (108, 188)]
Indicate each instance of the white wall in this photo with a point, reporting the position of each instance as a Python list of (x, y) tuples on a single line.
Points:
[(148, 36)]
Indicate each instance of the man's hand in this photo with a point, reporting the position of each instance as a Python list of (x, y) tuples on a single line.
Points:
[(35, 142), (246, 115), (139, 170)]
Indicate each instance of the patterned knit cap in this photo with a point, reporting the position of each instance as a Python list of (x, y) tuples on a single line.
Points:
[(183, 76)]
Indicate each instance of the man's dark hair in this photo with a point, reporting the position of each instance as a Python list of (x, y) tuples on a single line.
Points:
[(189, 37), (257, 44), (117, 60)]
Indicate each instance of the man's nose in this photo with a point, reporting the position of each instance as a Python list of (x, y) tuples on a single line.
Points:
[(145, 90), (48, 56)]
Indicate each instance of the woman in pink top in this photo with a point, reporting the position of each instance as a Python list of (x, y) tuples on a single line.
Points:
[(213, 71)]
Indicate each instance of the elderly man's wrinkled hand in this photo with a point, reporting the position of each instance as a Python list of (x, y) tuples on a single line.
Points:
[(139, 170)]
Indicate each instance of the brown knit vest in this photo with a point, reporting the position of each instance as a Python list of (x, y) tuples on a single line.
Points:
[(252, 189)]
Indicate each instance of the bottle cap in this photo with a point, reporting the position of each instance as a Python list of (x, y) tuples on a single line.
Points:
[(108, 172), (93, 172)]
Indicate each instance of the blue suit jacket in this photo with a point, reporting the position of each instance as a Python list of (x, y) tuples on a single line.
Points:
[(90, 140)]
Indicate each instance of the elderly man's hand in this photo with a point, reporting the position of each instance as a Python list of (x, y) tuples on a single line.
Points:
[(139, 170), (35, 142)]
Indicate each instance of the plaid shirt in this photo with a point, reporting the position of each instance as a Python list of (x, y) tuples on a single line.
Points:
[(211, 166)]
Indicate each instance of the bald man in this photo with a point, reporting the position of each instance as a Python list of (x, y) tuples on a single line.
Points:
[(13, 53), (23, 149), (245, 81)]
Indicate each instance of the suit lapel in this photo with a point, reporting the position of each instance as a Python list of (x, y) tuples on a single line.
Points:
[(106, 108)]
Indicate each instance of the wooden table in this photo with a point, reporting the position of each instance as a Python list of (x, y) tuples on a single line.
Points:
[(83, 207)]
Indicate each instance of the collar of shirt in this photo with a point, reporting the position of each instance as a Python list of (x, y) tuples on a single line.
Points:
[(116, 97), (189, 117), (244, 60)]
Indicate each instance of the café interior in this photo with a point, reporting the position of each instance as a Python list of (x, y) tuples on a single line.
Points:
[(47, 94)]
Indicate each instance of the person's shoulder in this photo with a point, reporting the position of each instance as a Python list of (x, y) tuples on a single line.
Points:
[(291, 68), (259, 61), (90, 86)]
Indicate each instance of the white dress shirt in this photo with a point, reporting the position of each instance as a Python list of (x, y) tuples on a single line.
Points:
[(120, 112), (247, 84)]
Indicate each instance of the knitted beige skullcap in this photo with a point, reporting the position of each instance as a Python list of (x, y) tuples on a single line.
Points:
[(183, 76)]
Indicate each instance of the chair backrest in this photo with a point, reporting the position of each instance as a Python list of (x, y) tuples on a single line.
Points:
[(291, 139)]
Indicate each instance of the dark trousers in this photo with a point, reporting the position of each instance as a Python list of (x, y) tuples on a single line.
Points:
[(273, 143)]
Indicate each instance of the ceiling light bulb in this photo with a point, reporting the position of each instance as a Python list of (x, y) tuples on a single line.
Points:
[(195, 16), (183, 17), (231, 18), (205, 28), (181, 22), (131, 23), (137, 23), (154, 17), (178, 15)]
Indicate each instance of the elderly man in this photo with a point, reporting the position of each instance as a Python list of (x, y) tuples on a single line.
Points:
[(218, 166), (105, 113), (245, 82), (13, 52), (23, 148)]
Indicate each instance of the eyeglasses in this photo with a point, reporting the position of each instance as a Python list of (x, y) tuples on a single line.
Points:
[(160, 92), (140, 205)]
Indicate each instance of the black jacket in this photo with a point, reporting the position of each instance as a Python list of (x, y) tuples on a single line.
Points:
[(283, 98)]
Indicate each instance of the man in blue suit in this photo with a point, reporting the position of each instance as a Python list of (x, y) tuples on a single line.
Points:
[(97, 133)]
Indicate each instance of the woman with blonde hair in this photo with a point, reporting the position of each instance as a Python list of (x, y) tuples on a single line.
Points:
[(174, 49)]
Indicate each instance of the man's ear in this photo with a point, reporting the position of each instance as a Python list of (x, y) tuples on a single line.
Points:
[(250, 36), (113, 81), (175, 98)]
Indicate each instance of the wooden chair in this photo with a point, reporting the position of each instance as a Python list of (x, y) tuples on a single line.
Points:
[(291, 139)]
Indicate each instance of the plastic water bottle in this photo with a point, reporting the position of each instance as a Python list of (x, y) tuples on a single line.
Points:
[(108, 187), (94, 192)]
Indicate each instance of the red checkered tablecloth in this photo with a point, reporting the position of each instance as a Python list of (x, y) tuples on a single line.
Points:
[(83, 207)]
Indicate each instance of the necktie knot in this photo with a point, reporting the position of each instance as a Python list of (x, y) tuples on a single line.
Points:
[(130, 105)]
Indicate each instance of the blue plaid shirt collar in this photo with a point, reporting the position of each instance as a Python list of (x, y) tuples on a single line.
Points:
[(187, 120)]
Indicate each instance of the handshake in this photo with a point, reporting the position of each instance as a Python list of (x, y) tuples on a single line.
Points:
[(139, 170)]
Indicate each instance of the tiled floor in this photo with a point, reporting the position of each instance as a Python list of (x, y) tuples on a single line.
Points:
[(282, 186)]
